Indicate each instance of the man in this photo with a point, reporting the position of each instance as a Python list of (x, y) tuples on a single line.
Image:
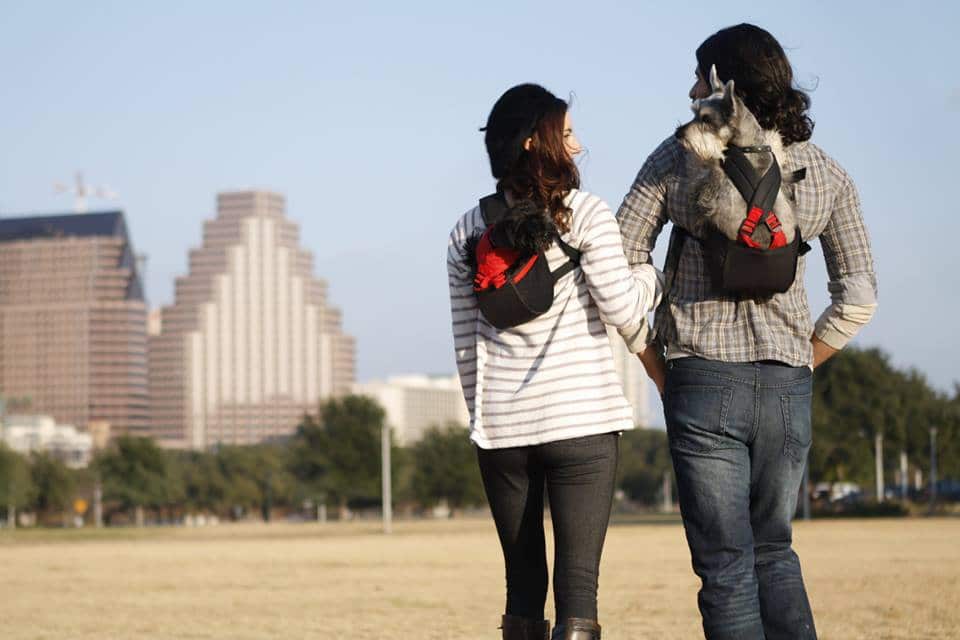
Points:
[(735, 372)]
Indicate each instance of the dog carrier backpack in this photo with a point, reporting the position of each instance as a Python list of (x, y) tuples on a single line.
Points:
[(511, 287), (742, 267)]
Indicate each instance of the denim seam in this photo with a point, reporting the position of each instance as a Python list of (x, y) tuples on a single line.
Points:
[(729, 378), (790, 441), (756, 409), (714, 374)]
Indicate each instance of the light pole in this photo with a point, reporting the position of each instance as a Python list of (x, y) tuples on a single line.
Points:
[(933, 467), (386, 492), (904, 472), (878, 457)]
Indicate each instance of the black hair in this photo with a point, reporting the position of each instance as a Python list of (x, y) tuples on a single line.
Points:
[(762, 76), (545, 173)]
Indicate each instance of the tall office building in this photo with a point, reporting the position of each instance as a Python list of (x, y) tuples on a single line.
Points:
[(249, 343), (636, 384), (73, 320)]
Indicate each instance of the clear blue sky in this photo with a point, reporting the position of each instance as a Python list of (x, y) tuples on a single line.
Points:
[(365, 116)]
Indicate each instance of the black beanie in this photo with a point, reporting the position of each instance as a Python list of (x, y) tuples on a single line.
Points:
[(512, 120)]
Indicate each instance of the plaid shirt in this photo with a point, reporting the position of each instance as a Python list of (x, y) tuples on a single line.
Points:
[(694, 319)]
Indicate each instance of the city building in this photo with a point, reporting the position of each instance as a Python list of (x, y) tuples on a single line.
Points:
[(414, 403), (73, 339), (28, 433), (250, 342), (633, 377)]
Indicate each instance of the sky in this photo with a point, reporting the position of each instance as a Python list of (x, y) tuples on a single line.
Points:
[(365, 116)]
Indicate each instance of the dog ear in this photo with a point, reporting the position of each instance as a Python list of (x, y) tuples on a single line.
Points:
[(715, 84), (728, 96)]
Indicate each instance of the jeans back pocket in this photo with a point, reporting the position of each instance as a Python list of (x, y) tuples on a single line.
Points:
[(798, 431), (696, 416)]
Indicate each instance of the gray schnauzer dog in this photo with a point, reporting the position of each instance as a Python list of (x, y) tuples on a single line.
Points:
[(720, 120)]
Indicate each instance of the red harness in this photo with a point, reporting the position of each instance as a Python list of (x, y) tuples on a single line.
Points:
[(494, 262), (778, 237), (760, 192)]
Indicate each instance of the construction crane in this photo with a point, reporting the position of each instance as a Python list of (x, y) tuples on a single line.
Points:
[(81, 191)]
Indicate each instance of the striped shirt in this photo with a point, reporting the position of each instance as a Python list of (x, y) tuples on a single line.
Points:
[(696, 320), (552, 378)]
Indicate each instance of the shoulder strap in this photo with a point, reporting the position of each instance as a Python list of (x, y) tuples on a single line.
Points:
[(573, 254), (677, 238), (759, 191), (493, 208)]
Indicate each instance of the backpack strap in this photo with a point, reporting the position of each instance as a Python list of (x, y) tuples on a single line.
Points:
[(678, 237), (758, 191), (493, 208), (569, 265)]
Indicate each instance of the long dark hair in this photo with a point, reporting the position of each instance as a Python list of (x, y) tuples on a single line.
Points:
[(545, 173), (763, 78)]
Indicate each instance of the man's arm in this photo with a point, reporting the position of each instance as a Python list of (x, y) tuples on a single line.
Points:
[(853, 281), (641, 218)]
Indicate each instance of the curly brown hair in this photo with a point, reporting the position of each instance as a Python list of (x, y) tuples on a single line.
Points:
[(755, 61), (544, 174)]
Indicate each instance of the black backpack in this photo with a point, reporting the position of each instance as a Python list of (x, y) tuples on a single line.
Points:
[(735, 268), (529, 289)]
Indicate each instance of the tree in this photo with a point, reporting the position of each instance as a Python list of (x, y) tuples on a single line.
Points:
[(349, 442), (16, 483), (307, 459), (858, 394), (134, 473), (445, 468), (53, 484), (254, 477), (644, 459), (204, 485)]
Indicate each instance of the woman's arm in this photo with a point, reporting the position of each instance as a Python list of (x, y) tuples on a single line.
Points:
[(623, 295), (463, 306)]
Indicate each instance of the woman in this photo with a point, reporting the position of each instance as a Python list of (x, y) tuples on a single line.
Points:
[(546, 405), (737, 378)]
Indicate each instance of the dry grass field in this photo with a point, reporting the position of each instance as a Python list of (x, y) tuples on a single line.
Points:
[(867, 579)]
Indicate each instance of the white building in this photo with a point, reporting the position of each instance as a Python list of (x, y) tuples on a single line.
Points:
[(251, 342), (27, 433), (636, 383), (414, 403)]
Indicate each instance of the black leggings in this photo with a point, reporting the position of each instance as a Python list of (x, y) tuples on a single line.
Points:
[(579, 477)]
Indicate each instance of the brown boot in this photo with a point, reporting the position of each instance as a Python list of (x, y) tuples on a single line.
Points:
[(577, 629), (517, 628)]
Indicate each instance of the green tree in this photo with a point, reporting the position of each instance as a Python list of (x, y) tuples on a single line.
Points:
[(350, 444), (204, 485), (255, 477), (859, 394), (445, 468), (307, 459), (644, 459), (134, 473), (16, 483), (53, 485)]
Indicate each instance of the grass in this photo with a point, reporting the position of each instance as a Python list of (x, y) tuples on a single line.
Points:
[(439, 579)]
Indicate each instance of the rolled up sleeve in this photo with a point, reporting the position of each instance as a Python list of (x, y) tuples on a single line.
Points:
[(850, 267)]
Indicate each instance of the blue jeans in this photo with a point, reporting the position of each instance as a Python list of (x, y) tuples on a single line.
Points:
[(739, 436)]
